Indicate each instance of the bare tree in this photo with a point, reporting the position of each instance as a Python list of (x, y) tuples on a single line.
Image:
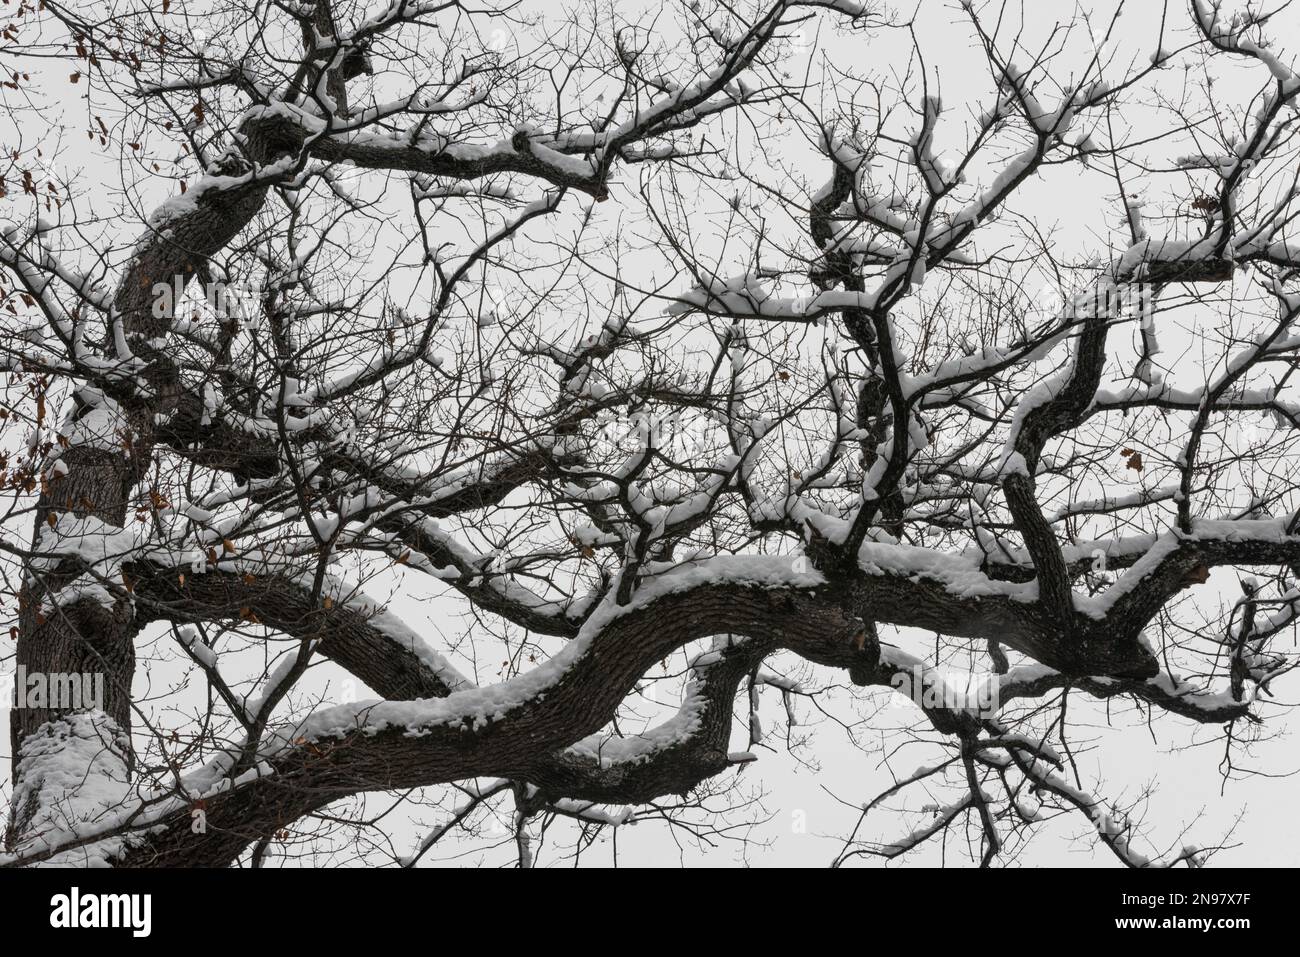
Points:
[(687, 348)]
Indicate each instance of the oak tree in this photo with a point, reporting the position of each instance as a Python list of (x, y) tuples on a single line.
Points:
[(400, 394)]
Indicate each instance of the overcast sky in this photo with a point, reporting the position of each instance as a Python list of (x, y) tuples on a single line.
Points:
[(808, 802)]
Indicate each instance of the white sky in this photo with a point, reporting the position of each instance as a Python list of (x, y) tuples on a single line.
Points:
[(808, 810)]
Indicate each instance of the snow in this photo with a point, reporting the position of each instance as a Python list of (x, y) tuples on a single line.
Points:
[(101, 545), (960, 574), (400, 633), (750, 296), (850, 8), (202, 653), (1044, 392), (678, 729), (574, 166), (101, 425), (84, 588), (1014, 464), (978, 210), (478, 707), (73, 773), (1097, 606), (1223, 530)]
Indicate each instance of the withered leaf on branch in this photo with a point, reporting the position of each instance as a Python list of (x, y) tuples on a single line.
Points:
[(777, 420)]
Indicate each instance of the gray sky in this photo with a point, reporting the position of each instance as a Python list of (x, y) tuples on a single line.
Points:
[(810, 801)]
